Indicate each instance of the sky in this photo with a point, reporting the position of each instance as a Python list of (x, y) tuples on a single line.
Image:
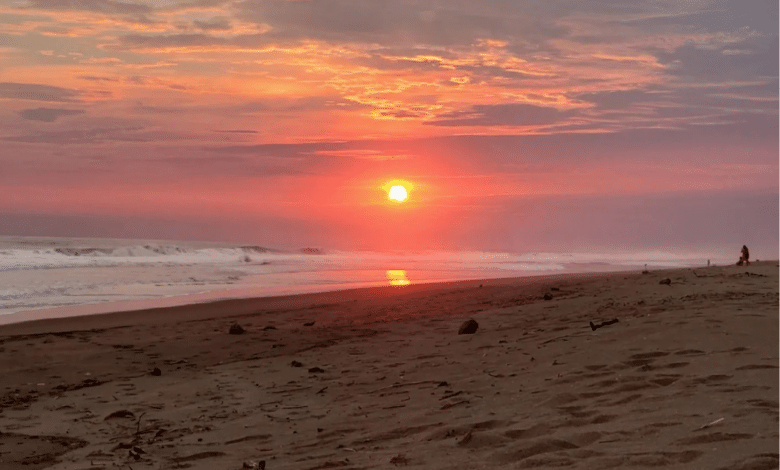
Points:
[(515, 125)]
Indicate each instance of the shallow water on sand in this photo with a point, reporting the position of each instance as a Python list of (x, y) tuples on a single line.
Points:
[(102, 275)]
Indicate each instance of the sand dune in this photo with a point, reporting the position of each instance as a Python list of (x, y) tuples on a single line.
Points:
[(686, 378)]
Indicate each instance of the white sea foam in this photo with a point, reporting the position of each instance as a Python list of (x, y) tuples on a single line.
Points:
[(38, 273)]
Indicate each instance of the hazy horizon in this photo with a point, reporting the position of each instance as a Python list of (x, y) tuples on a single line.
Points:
[(516, 125)]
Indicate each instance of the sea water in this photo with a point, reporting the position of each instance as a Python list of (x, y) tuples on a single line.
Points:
[(103, 275)]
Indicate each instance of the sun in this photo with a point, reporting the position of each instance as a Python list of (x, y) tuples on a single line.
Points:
[(397, 193)]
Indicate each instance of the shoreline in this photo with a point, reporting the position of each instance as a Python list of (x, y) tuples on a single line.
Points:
[(243, 295), (67, 277), (379, 377), (40, 321)]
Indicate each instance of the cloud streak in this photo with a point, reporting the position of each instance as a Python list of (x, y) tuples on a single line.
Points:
[(48, 114), (97, 6), (36, 92)]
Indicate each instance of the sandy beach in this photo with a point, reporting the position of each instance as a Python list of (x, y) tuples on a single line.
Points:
[(687, 377)]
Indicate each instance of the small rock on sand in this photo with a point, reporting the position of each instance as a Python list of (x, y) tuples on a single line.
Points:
[(666, 281), (548, 296), (468, 328), (235, 329), (120, 414), (156, 372)]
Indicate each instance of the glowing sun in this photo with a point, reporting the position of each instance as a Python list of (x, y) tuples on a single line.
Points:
[(397, 193)]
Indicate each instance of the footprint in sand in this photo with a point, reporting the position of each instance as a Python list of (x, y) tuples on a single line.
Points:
[(755, 462), (198, 456), (713, 437), (665, 379), (764, 403), (536, 430), (689, 352), (535, 448), (712, 379), (23, 451), (757, 366), (673, 365)]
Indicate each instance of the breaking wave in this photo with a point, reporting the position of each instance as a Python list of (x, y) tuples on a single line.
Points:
[(12, 258)]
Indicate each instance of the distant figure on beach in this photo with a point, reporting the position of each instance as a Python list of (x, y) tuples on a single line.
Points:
[(745, 258)]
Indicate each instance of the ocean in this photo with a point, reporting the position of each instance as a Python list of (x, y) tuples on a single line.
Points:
[(70, 276)]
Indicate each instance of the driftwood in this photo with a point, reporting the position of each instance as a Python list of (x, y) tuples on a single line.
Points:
[(595, 327)]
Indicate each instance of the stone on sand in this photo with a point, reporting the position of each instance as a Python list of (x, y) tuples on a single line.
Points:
[(468, 327)]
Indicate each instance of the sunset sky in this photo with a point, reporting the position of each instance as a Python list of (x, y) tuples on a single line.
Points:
[(514, 124)]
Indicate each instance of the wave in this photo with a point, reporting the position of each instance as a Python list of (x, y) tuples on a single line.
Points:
[(44, 273), (42, 257), (25, 254), (148, 250)]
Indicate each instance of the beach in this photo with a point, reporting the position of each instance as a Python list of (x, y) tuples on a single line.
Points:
[(687, 377)]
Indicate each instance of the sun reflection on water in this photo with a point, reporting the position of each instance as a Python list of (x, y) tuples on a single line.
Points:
[(397, 277)]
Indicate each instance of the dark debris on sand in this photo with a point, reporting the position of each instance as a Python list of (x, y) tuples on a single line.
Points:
[(469, 327), (595, 327)]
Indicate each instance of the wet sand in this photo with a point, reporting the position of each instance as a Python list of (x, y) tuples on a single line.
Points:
[(380, 378)]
